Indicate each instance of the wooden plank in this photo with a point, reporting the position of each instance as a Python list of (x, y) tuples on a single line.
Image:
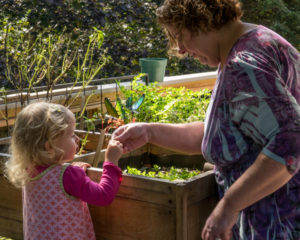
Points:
[(196, 85), (87, 157), (132, 219), (75, 105), (16, 97), (93, 139), (5, 140), (201, 187), (138, 152), (98, 156), (197, 215), (11, 228), (181, 212), (10, 210), (158, 150), (139, 188)]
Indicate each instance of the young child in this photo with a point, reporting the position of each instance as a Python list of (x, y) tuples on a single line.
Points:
[(55, 195)]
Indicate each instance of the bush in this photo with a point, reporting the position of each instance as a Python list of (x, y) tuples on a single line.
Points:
[(282, 16), (130, 28)]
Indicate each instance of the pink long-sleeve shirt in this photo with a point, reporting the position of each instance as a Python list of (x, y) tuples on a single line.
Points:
[(76, 183)]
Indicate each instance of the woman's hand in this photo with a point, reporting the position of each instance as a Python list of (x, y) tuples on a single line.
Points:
[(262, 178), (114, 152), (132, 136), (219, 223)]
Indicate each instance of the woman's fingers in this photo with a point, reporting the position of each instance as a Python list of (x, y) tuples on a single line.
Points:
[(220, 222), (117, 133), (121, 134)]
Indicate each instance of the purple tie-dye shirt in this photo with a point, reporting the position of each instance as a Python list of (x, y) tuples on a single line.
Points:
[(255, 108)]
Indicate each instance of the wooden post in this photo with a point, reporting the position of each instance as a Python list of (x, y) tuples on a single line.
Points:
[(181, 212), (98, 156)]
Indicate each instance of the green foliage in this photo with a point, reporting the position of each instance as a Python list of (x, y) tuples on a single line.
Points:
[(110, 108), (133, 33), (4, 238), (46, 58), (130, 28), (119, 110), (164, 173), (58, 14), (168, 105), (282, 16)]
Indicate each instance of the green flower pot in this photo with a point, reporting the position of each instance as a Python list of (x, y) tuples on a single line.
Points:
[(155, 67)]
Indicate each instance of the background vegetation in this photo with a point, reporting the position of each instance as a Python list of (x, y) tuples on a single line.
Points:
[(129, 28)]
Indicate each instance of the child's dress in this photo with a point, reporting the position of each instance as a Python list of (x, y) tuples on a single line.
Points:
[(49, 212)]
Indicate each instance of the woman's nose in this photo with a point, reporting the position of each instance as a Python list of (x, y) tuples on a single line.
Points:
[(181, 49)]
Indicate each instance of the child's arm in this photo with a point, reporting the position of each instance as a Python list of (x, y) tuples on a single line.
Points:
[(76, 182)]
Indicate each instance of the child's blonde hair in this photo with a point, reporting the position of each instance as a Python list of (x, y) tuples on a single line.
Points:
[(35, 125)]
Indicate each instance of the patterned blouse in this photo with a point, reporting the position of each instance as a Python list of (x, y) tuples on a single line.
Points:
[(255, 108)]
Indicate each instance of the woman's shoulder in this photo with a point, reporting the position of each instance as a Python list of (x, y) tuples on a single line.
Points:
[(260, 47), (259, 38)]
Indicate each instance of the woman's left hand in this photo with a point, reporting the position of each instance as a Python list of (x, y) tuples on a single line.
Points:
[(246, 190), (220, 222)]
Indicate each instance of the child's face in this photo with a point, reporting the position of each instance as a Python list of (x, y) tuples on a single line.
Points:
[(68, 142)]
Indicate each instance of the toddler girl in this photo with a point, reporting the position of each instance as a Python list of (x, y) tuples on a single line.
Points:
[(55, 195)]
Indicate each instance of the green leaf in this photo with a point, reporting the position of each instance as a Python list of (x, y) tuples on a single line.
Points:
[(110, 109), (129, 102), (120, 108), (138, 103)]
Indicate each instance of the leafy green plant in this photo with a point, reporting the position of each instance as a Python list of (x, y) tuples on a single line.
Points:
[(47, 59), (171, 173), (119, 110), (116, 111), (168, 105)]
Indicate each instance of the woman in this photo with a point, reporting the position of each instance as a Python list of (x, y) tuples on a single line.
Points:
[(252, 128)]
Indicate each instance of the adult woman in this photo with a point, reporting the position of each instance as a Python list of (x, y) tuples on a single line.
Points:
[(251, 131)]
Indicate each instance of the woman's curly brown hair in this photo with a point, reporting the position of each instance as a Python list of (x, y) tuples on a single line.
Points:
[(197, 15)]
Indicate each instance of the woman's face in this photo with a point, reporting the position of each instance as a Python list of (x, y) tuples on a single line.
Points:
[(202, 46)]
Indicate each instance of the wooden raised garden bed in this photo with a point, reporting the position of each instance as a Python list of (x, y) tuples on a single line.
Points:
[(145, 208), (153, 209)]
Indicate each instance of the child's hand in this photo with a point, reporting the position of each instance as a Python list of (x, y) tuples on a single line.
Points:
[(82, 165), (114, 151)]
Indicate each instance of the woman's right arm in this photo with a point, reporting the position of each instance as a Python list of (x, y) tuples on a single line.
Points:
[(186, 138)]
